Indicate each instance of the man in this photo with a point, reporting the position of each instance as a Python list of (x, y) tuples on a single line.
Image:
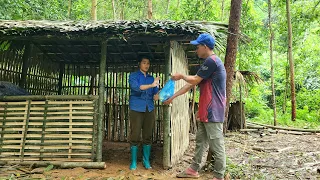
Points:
[(211, 78), (144, 89)]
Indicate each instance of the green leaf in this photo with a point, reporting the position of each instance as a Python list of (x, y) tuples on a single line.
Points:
[(50, 167)]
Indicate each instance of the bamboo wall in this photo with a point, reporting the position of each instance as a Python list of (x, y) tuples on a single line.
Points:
[(180, 107), (42, 77), (48, 128), (11, 65)]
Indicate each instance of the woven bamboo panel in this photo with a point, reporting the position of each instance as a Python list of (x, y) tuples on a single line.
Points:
[(40, 79), (55, 130), (180, 106)]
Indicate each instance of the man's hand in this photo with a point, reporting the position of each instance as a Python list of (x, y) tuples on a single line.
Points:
[(155, 82), (177, 76), (168, 101), (197, 116)]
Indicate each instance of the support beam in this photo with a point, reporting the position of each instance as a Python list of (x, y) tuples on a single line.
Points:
[(102, 91), (167, 113)]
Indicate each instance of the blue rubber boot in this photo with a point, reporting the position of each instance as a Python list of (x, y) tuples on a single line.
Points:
[(146, 155), (134, 151)]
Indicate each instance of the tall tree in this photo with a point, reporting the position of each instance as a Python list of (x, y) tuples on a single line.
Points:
[(168, 5), (94, 10), (113, 10), (222, 10), (69, 8), (271, 65), (149, 9), (291, 63), (122, 11), (231, 52)]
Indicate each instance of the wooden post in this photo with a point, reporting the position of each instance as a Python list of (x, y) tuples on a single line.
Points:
[(25, 61), (60, 78), (167, 110), (101, 97)]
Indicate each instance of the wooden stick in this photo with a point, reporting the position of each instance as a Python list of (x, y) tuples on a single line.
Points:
[(288, 128), (249, 130), (64, 165), (50, 97)]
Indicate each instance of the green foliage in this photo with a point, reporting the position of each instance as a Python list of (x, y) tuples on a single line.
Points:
[(252, 55), (4, 45)]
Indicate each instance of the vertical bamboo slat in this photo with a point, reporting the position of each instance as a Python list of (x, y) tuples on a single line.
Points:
[(3, 124), (25, 129), (44, 123), (70, 132)]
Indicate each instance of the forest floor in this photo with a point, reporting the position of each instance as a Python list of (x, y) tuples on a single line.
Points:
[(249, 156)]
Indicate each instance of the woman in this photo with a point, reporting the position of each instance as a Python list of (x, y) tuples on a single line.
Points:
[(144, 89)]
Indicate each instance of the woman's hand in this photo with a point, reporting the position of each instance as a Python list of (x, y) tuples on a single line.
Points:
[(155, 82)]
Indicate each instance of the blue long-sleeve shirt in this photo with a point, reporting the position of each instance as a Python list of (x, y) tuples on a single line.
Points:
[(141, 99)]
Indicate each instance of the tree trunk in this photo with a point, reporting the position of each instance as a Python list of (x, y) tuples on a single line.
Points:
[(231, 52), (291, 63), (149, 9), (236, 117), (284, 105), (122, 10), (69, 9), (113, 10), (178, 4), (94, 10), (271, 64), (222, 10), (168, 5)]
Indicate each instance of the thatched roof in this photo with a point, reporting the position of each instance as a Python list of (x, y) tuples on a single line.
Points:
[(79, 41), (106, 28)]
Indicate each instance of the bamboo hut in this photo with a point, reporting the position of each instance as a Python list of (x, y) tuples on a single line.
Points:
[(77, 73)]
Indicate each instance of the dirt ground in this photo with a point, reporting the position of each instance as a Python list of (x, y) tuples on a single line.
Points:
[(249, 156)]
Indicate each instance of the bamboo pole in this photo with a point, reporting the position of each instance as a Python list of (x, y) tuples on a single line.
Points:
[(287, 128), (102, 68), (43, 128), (64, 165), (167, 110), (25, 129), (50, 97), (94, 134)]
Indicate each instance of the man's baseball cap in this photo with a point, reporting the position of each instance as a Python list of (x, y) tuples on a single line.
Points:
[(204, 39)]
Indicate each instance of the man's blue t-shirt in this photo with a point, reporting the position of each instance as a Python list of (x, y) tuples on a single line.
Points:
[(212, 102)]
